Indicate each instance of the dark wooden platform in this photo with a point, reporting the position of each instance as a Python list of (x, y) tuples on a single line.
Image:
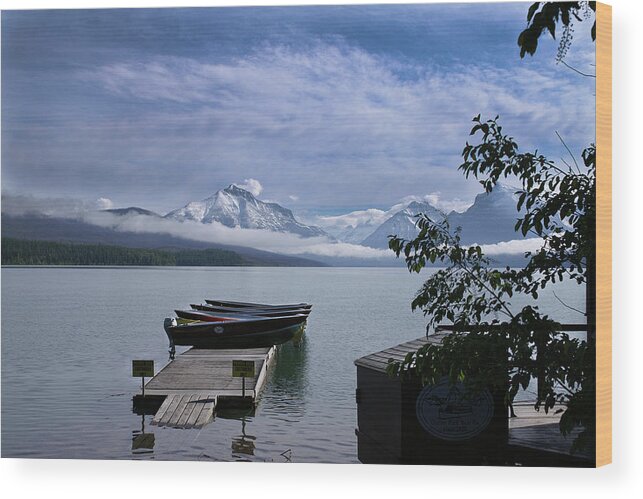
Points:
[(536, 435), (379, 360), (199, 380), (532, 438)]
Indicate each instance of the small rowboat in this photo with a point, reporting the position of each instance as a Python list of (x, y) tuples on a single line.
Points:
[(207, 315), (200, 315), (249, 311), (241, 305), (231, 332)]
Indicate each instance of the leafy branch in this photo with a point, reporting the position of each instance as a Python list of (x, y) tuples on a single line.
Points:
[(493, 343)]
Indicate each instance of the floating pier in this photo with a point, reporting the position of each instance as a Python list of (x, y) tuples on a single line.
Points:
[(191, 387)]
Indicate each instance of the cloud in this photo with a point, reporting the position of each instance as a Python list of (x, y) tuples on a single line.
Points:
[(251, 185), (447, 205), (371, 216), (344, 126), (104, 203), (278, 242), (26, 204), (515, 247)]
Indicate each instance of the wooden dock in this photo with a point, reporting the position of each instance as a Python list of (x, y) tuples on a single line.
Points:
[(198, 381)]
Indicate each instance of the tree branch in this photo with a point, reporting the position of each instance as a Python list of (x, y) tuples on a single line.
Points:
[(576, 70), (568, 306), (570, 152)]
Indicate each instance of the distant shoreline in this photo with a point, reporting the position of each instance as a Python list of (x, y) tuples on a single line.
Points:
[(34, 253)]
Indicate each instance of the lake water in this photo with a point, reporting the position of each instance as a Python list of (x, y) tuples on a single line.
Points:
[(69, 335)]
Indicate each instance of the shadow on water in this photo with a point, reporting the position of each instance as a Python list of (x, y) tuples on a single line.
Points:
[(243, 444), (142, 442)]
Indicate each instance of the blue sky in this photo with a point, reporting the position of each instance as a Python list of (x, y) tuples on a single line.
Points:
[(331, 109)]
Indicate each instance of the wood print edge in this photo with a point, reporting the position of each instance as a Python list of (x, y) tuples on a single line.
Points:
[(603, 234)]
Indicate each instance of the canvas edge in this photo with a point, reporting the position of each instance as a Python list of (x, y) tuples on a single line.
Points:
[(603, 234)]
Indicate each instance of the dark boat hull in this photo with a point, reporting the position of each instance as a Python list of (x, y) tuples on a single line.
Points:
[(252, 340), (242, 333), (241, 305), (248, 311), (201, 315)]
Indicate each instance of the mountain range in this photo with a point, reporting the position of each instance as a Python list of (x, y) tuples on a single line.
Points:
[(490, 219)]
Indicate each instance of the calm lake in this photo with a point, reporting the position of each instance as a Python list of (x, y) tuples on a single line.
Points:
[(69, 335)]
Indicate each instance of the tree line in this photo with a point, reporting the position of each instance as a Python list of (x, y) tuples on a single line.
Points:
[(28, 252)]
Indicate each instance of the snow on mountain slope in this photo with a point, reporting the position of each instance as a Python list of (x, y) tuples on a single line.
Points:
[(236, 207), (489, 220), (402, 224)]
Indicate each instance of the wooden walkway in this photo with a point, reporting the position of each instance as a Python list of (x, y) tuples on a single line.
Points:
[(539, 432), (199, 380)]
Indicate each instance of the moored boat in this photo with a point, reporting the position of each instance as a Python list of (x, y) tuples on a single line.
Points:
[(249, 311), (230, 332), (242, 305)]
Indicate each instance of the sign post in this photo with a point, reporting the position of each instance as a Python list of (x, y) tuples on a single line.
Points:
[(241, 369), (142, 369)]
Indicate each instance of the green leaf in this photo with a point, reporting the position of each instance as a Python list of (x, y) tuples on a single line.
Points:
[(532, 10)]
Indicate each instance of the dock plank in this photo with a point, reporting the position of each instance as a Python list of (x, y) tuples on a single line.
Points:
[(194, 416), (189, 407), (173, 404), (162, 410), (205, 415), (170, 418)]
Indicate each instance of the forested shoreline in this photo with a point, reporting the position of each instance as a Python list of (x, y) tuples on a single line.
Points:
[(30, 252)]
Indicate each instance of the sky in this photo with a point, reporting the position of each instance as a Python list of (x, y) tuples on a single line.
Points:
[(325, 110)]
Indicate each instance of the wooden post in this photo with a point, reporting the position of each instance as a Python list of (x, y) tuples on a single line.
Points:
[(540, 368)]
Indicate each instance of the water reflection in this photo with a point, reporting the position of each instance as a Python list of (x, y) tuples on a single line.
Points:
[(243, 444), (289, 377), (142, 443)]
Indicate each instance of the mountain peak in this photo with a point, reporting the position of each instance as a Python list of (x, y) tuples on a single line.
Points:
[(415, 207), (235, 189), (132, 210), (234, 206), (501, 194), (402, 224)]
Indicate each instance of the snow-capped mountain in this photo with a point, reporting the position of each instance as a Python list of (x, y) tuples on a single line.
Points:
[(490, 219), (236, 207), (401, 224)]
